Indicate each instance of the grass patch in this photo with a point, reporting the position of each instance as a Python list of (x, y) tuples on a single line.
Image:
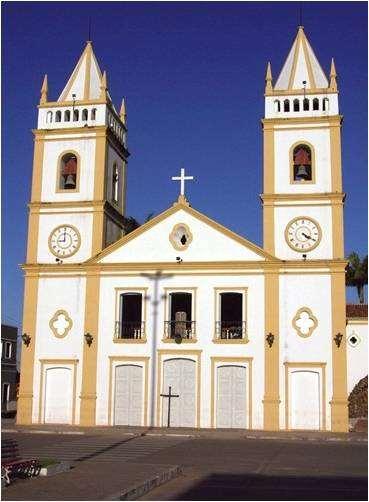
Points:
[(46, 462)]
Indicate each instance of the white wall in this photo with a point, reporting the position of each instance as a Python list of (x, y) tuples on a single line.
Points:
[(45, 123), (357, 356), (270, 107), (59, 294)]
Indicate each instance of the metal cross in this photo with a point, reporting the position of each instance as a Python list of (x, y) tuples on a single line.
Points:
[(182, 179), (169, 396)]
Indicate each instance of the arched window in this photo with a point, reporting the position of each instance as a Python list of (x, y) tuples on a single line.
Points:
[(286, 105), (306, 104), (75, 115), (325, 104), (296, 105), (277, 105), (67, 116), (315, 104), (58, 116), (68, 172), (115, 183), (93, 114), (302, 163), (49, 117), (84, 114)]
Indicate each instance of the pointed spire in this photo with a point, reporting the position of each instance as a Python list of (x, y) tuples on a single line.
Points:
[(44, 91), (123, 112), (104, 87), (333, 77), (268, 79)]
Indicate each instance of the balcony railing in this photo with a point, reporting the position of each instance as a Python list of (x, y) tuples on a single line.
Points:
[(184, 329), (133, 330), (230, 330)]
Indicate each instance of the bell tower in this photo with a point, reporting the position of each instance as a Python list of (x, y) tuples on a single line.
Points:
[(302, 198), (79, 170)]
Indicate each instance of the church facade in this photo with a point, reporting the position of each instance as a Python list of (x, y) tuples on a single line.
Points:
[(239, 335)]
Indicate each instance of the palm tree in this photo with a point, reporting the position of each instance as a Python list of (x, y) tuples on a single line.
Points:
[(357, 274)]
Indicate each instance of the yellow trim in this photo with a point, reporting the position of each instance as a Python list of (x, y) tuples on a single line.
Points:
[(175, 244), (295, 58), (295, 365), (25, 399), (58, 362), (339, 404), (89, 365), (271, 399), (196, 354), (337, 231), (308, 62), (196, 214), (98, 204), (66, 225), (86, 90), (229, 289), (246, 361), (357, 320), (330, 120), (297, 317), (90, 132), (99, 194), (268, 228), (336, 169), (290, 223), (128, 360), (312, 151), (55, 318), (58, 173), (143, 292), (269, 198)]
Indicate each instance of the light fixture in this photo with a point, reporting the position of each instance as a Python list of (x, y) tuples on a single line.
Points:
[(270, 339), (26, 339), (338, 339), (89, 338)]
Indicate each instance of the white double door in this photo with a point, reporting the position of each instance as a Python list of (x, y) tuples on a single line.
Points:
[(231, 401), (58, 396), (305, 400), (180, 376), (128, 402)]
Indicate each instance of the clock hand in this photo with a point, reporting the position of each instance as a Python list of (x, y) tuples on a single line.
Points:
[(308, 236)]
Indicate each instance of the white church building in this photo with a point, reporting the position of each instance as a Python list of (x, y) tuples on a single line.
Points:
[(242, 336)]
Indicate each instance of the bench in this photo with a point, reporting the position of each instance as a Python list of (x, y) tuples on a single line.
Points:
[(13, 465)]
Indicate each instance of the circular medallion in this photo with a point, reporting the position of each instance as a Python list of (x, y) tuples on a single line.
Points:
[(303, 234), (64, 241)]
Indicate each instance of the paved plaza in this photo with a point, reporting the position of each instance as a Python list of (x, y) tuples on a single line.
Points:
[(215, 466)]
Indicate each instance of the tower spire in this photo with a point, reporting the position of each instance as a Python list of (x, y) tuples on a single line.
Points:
[(44, 91), (268, 79), (123, 112), (333, 77), (104, 87)]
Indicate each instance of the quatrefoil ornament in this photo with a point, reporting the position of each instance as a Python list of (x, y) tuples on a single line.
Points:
[(60, 324), (304, 322)]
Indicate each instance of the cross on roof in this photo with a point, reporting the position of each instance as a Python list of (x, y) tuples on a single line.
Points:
[(182, 179)]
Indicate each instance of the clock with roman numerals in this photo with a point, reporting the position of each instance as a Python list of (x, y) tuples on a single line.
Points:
[(64, 241), (303, 234)]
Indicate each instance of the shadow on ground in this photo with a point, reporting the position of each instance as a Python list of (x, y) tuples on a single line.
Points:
[(220, 486)]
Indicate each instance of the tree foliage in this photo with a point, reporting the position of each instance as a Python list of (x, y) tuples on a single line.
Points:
[(357, 274), (130, 223)]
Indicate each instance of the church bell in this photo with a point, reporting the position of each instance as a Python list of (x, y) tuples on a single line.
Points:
[(70, 181), (302, 173)]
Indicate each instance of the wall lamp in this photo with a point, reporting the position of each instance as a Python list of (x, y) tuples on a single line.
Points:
[(26, 339), (270, 339), (89, 338), (338, 339)]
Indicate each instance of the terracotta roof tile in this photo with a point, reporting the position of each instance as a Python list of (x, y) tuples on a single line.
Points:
[(356, 310)]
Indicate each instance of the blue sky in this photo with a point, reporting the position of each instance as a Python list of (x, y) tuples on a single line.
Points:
[(193, 74)]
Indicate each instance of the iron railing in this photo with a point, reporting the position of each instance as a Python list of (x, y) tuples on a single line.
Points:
[(230, 330), (134, 330), (183, 329)]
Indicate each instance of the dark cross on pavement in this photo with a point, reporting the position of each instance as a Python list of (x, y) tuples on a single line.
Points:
[(169, 396)]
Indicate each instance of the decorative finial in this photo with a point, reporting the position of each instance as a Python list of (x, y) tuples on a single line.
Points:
[(333, 77), (104, 87), (182, 178), (44, 91), (268, 78), (123, 113)]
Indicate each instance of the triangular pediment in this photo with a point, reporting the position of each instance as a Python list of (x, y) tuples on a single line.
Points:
[(158, 241)]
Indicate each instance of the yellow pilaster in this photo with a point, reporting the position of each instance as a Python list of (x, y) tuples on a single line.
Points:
[(271, 359), (25, 399), (269, 188), (99, 193), (89, 363), (339, 405)]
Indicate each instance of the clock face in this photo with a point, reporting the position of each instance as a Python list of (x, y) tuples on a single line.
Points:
[(64, 241), (303, 234)]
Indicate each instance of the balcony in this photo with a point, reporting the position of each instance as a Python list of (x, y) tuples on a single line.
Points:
[(180, 330), (129, 331), (230, 330)]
